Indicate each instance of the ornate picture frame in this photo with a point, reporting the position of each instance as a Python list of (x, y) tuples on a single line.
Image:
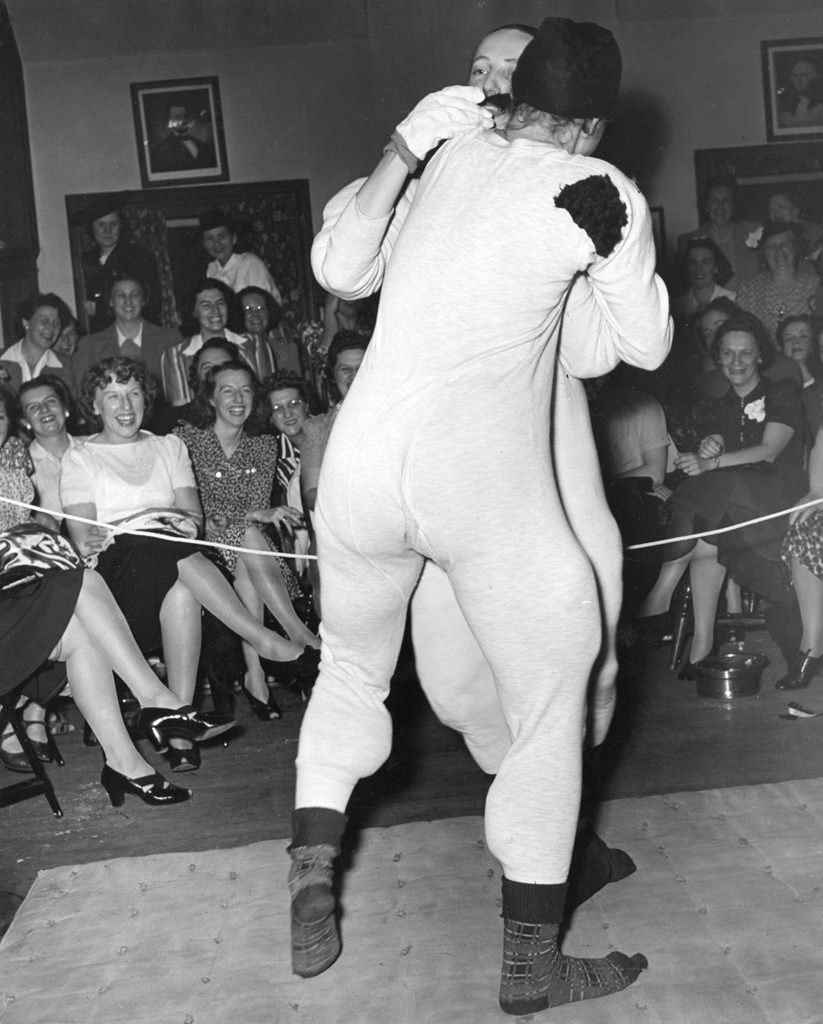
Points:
[(759, 171), (273, 219), (178, 124), (793, 88)]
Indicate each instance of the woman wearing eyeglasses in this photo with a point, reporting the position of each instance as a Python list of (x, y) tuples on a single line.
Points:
[(275, 350)]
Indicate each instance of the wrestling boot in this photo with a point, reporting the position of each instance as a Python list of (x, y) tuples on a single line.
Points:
[(315, 937), (801, 672), (536, 975)]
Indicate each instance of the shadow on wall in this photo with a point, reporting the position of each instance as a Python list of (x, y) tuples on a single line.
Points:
[(637, 137)]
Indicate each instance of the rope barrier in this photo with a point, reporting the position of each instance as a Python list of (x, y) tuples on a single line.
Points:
[(285, 554), (725, 529), (158, 536)]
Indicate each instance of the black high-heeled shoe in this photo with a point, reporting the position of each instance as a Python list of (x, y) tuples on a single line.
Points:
[(186, 723), (266, 711), (800, 673), (184, 759), (152, 789), (688, 670), (41, 748), (14, 760)]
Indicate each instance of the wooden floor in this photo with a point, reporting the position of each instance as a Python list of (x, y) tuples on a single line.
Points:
[(664, 739)]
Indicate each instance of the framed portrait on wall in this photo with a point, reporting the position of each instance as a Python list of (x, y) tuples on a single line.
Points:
[(179, 128), (793, 88)]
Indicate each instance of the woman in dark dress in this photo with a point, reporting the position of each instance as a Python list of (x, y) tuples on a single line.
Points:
[(748, 465)]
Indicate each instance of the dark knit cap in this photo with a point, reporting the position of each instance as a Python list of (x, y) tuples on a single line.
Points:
[(570, 68)]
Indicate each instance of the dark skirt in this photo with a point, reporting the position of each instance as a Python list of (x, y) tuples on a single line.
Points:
[(140, 571), (33, 618), (725, 497)]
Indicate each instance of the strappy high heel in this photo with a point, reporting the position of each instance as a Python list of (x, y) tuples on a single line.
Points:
[(152, 789), (186, 723), (267, 710)]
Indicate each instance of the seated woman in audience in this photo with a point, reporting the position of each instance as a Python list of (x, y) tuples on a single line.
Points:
[(130, 334), (275, 350), (213, 302), (15, 475), (161, 585), (707, 270), (783, 208), (214, 353), (803, 552), (69, 337), (796, 338), (288, 403), (45, 408), (714, 383), (783, 287), (345, 356), (234, 468), (40, 320), (749, 464), (70, 616), (729, 235)]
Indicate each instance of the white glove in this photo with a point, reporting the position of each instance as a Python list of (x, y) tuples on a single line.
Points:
[(442, 115)]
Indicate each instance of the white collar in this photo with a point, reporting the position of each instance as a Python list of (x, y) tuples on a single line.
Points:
[(137, 340)]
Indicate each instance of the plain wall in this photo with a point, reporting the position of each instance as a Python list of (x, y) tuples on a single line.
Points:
[(323, 110)]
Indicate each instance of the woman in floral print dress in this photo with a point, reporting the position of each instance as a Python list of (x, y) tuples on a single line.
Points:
[(748, 464), (234, 470)]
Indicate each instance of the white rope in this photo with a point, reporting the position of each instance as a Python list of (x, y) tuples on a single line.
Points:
[(725, 529), (157, 536), (285, 554)]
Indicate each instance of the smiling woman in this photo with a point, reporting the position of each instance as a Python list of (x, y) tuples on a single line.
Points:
[(41, 319), (235, 468), (161, 586), (749, 464)]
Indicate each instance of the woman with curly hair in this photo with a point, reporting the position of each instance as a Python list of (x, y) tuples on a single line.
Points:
[(121, 473), (234, 466), (748, 465)]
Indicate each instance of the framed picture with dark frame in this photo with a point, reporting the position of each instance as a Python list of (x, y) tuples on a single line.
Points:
[(179, 128), (793, 88), (760, 171), (272, 219)]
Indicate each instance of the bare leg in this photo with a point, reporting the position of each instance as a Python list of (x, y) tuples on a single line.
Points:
[(101, 618), (660, 596), (734, 600), (181, 628), (92, 687), (707, 576), (213, 592), (265, 574), (255, 681), (809, 590)]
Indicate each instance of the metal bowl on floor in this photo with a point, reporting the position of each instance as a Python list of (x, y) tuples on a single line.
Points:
[(730, 676)]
